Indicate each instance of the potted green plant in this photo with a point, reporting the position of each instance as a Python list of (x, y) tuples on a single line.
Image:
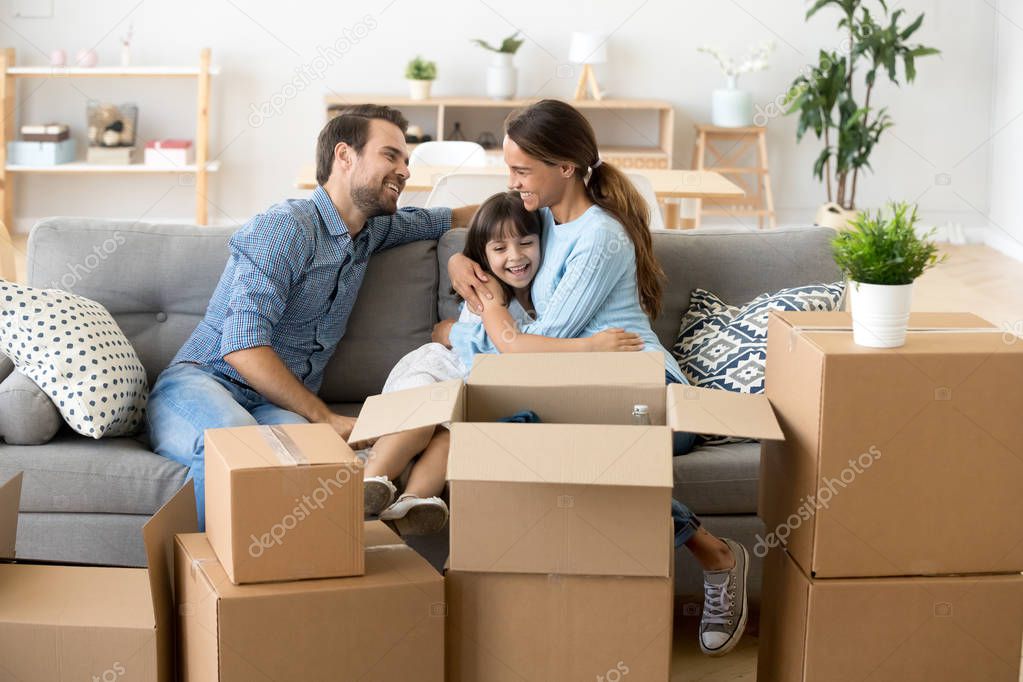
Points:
[(827, 97), (502, 78), (420, 75), (882, 255)]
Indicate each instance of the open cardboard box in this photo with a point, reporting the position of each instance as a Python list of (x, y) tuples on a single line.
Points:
[(901, 461), (60, 622), (585, 492)]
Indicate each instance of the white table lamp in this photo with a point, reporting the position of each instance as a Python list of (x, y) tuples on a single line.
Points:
[(588, 49)]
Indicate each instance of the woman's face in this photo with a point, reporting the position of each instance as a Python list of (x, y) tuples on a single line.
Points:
[(539, 184)]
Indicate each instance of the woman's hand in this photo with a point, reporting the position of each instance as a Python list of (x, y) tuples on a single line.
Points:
[(495, 292), (615, 340), (467, 279), (442, 333)]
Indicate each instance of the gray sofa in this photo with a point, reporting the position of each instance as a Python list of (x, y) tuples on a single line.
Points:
[(85, 500)]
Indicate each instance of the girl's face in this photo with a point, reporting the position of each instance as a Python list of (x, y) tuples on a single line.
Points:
[(538, 183), (514, 260)]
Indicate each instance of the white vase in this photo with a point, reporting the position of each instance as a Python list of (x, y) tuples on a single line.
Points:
[(502, 77), (731, 107), (419, 89), (880, 313)]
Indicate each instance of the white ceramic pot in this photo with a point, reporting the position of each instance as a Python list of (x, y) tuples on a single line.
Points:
[(419, 89), (502, 77), (731, 107), (880, 313)]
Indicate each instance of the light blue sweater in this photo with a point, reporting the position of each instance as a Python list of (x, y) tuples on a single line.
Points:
[(586, 284)]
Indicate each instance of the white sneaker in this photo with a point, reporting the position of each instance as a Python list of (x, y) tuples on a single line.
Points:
[(377, 494), (724, 604), (417, 515)]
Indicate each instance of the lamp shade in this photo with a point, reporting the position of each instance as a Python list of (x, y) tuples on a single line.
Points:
[(588, 48)]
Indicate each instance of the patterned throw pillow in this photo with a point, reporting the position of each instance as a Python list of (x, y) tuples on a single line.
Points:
[(723, 346), (74, 351)]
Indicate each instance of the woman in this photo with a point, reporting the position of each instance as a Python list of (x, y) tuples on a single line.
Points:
[(598, 271)]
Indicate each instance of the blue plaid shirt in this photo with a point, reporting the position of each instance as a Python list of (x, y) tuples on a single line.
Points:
[(291, 281)]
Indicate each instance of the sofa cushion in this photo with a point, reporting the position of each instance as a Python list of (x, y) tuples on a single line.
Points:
[(394, 314), (73, 349), (448, 301), (72, 473), (719, 479), (6, 366), (27, 415)]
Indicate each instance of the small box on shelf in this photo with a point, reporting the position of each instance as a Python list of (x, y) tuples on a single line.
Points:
[(33, 153), (169, 153), (112, 155)]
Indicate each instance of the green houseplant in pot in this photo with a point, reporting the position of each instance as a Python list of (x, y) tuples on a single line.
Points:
[(833, 98), (502, 77), (420, 75), (882, 255)]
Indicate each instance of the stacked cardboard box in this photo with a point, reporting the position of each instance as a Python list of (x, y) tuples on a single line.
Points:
[(893, 504), (289, 583), (561, 536)]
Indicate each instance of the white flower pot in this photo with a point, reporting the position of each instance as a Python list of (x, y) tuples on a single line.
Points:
[(502, 77), (419, 89), (731, 107), (880, 313)]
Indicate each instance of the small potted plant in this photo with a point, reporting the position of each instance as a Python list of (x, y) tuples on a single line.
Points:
[(882, 256), (502, 78), (420, 75)]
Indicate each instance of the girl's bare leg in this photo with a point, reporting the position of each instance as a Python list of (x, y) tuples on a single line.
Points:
[(430, 470), (391, 454)]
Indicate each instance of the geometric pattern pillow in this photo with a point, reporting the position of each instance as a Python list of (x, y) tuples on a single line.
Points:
[(74, 351), (725, 347)]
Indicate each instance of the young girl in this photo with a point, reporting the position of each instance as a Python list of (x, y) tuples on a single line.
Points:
[(504, 237)]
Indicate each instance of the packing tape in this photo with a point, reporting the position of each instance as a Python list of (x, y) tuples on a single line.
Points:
[(283, 446), (796, 331), (193, 568), (386, 548)]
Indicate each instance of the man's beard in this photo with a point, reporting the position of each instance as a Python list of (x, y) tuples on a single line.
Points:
[(369, 201)]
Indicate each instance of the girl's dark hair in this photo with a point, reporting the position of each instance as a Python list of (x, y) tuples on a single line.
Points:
[(556, 133), (501, 216)]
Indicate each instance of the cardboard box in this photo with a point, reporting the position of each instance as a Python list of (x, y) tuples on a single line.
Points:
[(888, 629), (383, 626), (111, 155), (61, 623), (903, 461), (584, 493), (284, 502), (505, 627)]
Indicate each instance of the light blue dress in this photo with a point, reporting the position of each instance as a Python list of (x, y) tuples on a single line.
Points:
[(586, 284)]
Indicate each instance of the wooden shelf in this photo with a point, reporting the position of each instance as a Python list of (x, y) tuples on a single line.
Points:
[(84, 167), (486, 103), (108, 71)]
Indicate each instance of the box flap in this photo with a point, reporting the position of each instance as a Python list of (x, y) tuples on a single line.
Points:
[(377, 534), (10, 498), (410, 409), (561, 453), (721, 413), (177, 516), (568, 369), (259, 447)]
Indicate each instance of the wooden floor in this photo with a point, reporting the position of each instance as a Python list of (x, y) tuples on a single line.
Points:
[(974, 278)]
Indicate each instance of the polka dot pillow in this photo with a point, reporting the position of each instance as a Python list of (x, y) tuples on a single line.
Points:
[(74, 351)]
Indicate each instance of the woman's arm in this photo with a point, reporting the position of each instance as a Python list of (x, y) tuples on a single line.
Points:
[(504, 332)]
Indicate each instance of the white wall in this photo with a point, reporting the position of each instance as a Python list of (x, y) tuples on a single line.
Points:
[(942, 120), (1005, 230)]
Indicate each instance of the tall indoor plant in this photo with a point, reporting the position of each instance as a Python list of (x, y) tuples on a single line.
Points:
[(502, 77), (882, 255), (827, 97)]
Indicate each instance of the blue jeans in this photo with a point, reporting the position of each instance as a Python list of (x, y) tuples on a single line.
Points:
[(186, 400), (686, 523)]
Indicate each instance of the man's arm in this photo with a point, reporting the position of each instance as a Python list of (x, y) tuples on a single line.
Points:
[(264, 371), (413, 224)]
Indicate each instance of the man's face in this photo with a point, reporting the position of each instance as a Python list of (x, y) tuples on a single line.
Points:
[(379, 173)]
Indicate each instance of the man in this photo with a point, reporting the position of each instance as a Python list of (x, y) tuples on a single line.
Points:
[(283, 301)]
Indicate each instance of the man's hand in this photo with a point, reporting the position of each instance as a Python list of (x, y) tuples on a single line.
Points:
[(467, 279), (342, 424), (442, 333)]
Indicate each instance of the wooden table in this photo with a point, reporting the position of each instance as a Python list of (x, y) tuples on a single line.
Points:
[(668, 184)]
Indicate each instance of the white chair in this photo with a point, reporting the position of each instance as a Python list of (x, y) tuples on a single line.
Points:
[(448, 153), (465, 189), (646, 190)]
